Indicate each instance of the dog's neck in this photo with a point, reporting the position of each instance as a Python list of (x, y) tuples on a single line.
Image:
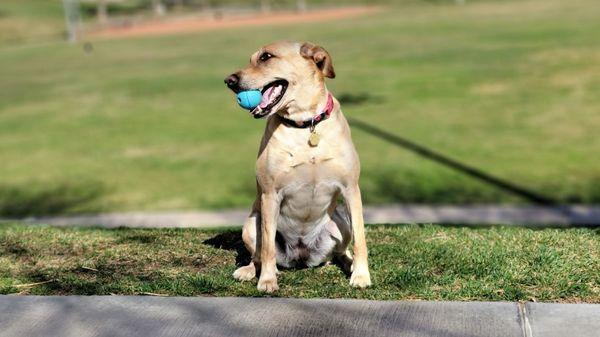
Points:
[(317, 112), (312, 122)]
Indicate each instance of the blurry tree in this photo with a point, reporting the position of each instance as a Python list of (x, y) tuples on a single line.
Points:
[(205, 4), (265, 5), (102, 10)]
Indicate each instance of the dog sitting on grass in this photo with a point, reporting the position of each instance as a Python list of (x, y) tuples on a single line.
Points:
[(306, 161)]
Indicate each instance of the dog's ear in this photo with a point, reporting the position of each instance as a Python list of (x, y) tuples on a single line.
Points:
[(320, 56)]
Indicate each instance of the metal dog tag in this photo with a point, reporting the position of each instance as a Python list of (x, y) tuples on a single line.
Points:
[(314, 139)]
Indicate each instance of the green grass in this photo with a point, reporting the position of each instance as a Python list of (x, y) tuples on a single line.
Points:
[(426, 262), (146, 123), (24, 21)]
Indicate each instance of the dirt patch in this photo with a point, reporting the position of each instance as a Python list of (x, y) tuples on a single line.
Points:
[(197, 24)]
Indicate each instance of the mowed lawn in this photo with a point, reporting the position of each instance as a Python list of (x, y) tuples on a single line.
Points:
[(510, 87), (426, 262), (25, 21)]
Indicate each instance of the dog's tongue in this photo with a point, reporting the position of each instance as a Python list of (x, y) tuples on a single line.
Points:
[(270, 95), (266, 97)]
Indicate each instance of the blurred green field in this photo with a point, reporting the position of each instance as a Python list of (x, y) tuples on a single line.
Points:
[(30, 20), (146, 123)]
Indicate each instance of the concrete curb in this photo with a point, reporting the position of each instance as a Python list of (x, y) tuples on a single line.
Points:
[(177, 316), (474, 214)]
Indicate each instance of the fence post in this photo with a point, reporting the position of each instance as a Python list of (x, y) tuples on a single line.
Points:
[(301, 5), (102, 11), (72, 19), (158, 7)]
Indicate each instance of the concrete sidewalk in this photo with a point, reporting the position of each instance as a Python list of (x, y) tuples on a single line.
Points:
[(468, 214), (176, 316)]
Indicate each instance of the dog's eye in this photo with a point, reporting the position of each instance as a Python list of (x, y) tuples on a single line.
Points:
[(265, 56)]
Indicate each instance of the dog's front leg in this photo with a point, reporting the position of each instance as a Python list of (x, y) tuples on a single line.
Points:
[(268, 264), (360, 266)]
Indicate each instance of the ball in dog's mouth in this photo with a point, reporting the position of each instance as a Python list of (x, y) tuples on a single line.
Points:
[(271, 95)]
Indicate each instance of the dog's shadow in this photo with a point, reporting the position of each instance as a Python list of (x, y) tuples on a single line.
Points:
[(232, 240)]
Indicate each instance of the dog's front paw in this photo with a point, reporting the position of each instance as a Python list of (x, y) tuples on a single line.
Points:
[(268, 285), (360, 280), (245, 273)]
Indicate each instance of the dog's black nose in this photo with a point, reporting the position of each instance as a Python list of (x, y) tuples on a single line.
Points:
[(232, 81)]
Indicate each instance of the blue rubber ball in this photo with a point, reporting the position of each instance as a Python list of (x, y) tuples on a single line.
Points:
[(249, 99)]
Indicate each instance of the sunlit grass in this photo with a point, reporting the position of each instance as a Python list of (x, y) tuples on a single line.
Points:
[(426, 262), (509, 87)]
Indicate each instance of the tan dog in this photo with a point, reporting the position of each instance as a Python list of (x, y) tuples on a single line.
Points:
[(305, 162)]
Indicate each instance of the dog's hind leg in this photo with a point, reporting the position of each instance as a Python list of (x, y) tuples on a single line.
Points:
[(341, 231), (249, 234)]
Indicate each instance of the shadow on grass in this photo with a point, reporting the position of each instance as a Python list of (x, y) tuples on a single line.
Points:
[(20, 201), (390, 186), (359, 98), (231, 240), (502, 184)]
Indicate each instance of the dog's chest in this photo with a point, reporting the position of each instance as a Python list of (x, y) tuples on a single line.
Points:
[(314, 159), (308, 181), (311, 166), (306, 178)]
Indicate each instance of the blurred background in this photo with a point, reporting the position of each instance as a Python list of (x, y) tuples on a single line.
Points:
[(119, 105)]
